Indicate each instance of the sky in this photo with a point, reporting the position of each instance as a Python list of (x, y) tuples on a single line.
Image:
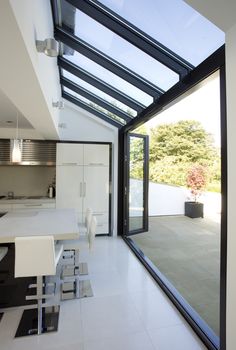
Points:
[(202, 105)]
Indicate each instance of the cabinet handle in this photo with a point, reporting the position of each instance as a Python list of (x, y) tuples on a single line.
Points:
[(98, 214), (96, 164), (84, 189), (69, 163), (80, 189), (32, 205)]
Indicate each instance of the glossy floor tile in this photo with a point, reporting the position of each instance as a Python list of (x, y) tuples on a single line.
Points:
[(128, 310)]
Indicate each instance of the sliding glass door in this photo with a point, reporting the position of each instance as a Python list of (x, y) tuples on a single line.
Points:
[(137, 184)]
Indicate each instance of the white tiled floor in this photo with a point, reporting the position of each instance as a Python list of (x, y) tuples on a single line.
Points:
[(128, 310)]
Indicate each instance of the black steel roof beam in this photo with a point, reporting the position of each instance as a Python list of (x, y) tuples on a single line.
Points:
[(201, 72), (90, 109), (106, 62), (134, 35), (99, 84), (92, 97)]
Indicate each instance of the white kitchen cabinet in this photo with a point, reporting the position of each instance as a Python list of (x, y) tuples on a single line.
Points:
[(69, 188), (96, 183), (70, 154), (96, 155), (87, 186), (28, 204), (35, 205)]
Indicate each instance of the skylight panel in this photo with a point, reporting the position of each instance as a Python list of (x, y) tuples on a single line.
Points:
[(109, 77), (99, 93), (123, 52), (174, 24), (94, 105)]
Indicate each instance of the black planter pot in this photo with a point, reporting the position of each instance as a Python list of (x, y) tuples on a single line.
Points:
[(193, 209)]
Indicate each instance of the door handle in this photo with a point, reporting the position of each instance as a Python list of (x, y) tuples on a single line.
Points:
[(84, 189)]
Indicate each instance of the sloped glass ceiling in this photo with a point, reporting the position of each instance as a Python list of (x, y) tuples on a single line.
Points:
[(174, 24), (107, 76), (98, 92), (119, 56)]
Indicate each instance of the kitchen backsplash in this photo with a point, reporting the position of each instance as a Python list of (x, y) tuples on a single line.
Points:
[(26, 180)]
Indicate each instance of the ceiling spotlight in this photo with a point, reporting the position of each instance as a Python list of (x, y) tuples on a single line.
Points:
[(58, 104), (49, 46), (62, 125)]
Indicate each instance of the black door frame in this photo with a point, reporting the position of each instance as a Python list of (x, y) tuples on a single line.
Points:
[(145, 183), (215, 62)]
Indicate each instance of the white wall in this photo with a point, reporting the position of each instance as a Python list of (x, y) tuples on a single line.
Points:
[(231, 129), (162, 199), (221, 13), (80, 125), (29, 79), (10, 133)]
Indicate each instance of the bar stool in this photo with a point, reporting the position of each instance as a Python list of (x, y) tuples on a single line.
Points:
[(72, 287), (71, 264), (37, 256), (92, 232)]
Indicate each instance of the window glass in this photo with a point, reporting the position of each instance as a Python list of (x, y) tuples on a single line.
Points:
[(123, 52), (174, 24), (94, 105), (99, 93), (109, 77)]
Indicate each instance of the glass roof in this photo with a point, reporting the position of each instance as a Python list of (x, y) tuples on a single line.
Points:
[(98, 92), (174, 24), (123, 52), (119, 56), (107, 76), (94, 105)]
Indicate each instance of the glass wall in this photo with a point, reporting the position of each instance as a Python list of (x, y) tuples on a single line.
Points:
[(183, 238)]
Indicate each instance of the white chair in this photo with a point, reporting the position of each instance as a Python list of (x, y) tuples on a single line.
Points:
[(92, 232), (72, 287), (36, 256), (72, 266), (88, 217)]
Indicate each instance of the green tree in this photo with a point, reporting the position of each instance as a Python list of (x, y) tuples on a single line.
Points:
[(174, 148), (185, 141)]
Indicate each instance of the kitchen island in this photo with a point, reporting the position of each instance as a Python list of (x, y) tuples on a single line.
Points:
[(61, 223)]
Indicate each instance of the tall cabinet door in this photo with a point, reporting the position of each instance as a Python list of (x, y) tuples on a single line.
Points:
[(69, 194), (96, 155), (70, 154), (96, 194)]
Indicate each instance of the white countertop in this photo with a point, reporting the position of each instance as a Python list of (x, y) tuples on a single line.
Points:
[(61, 223)]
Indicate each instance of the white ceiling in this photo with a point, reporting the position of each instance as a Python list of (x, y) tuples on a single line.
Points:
[(221, 13), (8, 113), (28, 79)]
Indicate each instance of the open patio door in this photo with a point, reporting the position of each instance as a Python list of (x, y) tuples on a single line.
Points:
[(137, 184)]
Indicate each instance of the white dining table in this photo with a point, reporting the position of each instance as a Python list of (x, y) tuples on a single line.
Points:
[(61, 223)]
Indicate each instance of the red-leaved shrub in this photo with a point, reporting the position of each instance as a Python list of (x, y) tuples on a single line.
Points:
[(197, 180)]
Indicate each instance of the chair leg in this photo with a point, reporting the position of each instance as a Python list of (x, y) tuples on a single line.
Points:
[(40, 310)]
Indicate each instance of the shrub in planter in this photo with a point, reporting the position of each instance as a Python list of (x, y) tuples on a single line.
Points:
[(196, 181)]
